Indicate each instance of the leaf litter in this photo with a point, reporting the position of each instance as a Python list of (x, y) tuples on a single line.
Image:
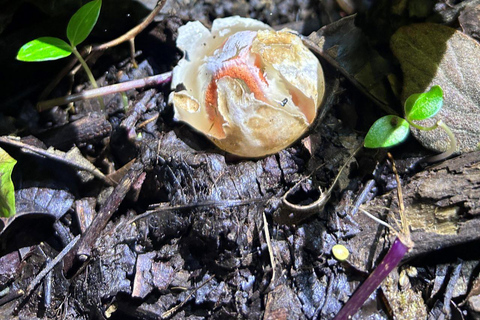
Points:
[(214, 261)]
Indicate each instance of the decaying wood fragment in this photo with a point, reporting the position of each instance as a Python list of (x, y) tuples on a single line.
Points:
[(91, 128), (442, 205)]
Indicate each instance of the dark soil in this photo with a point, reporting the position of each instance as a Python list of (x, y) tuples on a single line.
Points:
[(181, 230)]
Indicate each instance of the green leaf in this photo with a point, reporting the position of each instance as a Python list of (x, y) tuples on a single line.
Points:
[(44, 49), (386, 132), (83, 21), (7, 191), (421, 106)]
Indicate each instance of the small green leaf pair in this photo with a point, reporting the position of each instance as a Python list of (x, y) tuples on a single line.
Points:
[(78, 29), (391, 130)]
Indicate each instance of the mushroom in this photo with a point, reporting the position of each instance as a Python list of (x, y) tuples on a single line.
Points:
[(251, 90)]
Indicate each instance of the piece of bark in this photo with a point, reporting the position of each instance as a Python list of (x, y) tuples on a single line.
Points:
[(469, 19), (442, 206), (85, 209), (135, 113), (282, 304), (143, 282), (9, 265), (89, 129)]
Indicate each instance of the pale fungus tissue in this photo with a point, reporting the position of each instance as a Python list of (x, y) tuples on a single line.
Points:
[(251, 90), (340, 252)]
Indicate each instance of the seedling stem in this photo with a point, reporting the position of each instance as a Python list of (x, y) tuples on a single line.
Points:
[(85, 67)]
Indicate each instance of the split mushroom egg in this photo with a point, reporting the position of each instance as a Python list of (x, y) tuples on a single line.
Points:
[(251, 90)]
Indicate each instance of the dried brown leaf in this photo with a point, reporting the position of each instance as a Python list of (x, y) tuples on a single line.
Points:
[(432, 54), (346, 47)]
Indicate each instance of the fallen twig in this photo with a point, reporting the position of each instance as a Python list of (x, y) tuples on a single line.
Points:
[(133, 32), (84, 247), (270, 248), (10, 296), (45, 271), (449, 290), (14, 141), (102, 91), (50, 266), (294, 213), (167, 314)]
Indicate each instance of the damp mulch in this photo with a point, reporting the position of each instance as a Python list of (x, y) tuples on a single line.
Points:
[(123, 213)]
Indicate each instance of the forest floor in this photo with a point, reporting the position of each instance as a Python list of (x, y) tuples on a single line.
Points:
[(137, 216)]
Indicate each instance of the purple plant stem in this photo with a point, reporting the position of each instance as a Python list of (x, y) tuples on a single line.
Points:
[(389, 262), (119, 87)]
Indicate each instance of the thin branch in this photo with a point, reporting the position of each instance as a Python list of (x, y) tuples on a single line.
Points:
[(13, 141), (405, 232), (167, 314), (115, 88), (377, 220), (133, 32), (50, 266), (105, 213), (318, 204), (362, 197), (270, 248)]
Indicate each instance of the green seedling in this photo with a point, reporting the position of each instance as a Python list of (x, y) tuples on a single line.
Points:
[(391, 130), (7, 191), (386, 132), (78, 29)]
